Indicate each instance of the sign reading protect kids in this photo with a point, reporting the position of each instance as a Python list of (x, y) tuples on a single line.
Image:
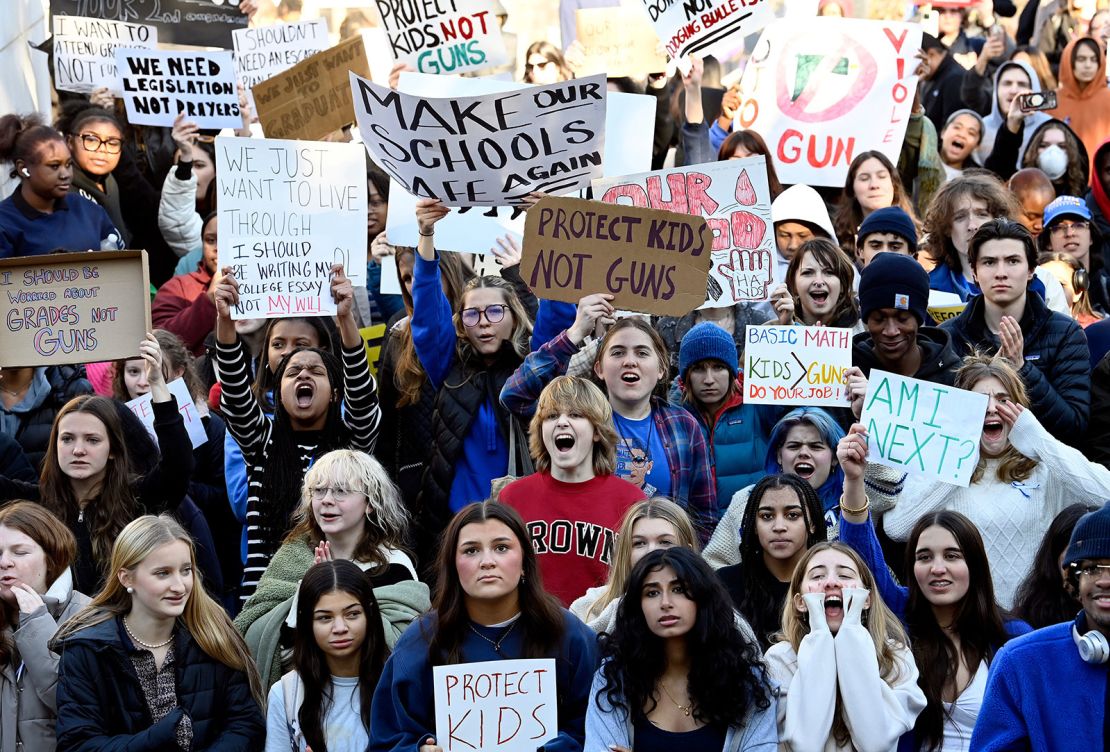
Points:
[(922, 427), (796, 365), (445, 36)]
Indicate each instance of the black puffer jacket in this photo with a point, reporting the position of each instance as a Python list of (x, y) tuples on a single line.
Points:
[(939, 359), (32, 426)]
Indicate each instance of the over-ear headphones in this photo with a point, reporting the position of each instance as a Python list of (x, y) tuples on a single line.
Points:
[(1080, 280), (1093, 647), (26, 172)]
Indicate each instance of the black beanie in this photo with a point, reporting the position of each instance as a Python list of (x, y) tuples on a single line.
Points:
[(892, 280)]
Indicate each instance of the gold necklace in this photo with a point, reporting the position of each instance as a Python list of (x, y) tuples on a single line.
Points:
[(684, 708)]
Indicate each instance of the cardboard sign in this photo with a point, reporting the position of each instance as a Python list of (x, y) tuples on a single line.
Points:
[(141, 406), (796, 365), (490, 150), (262, 53), (313, 98), (73, 308), (618, 42), (288, 210), (201, 23), (693, 26), (735, 198), (822, 90), (651, 261), (496, 706), (922, 427), (444, 37), (85, 51), (158, 84)]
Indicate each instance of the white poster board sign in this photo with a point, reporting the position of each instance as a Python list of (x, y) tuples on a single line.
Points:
[(796, 365), (85, 51), (450, 37), (698, 26), (141, 406), (265, 51), (158, 84)]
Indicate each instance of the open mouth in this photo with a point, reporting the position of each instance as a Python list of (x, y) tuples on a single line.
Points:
[(564, 442), (819, 298), (329, 517), (834, 606), (804, 470), (940, 584), (958, 144), (993, 429), (304, 393), (629, 377)]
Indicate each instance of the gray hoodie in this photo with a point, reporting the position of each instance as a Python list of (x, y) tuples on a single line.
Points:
[(997, 119)]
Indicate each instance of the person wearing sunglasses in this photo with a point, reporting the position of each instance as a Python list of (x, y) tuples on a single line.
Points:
[(544, 64)]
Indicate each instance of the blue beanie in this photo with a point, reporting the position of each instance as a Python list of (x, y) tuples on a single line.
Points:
[(892, 280), (889, 219), (707, 340), (1090, 539)]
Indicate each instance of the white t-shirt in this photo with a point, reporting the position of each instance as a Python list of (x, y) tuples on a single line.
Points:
[(960, 715)]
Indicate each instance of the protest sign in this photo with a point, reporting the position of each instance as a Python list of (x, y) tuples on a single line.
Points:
[(85, 51), (287, 211), (262, 53), (158, 84), (651, 261), (924, 428), (74, 307), (822, 90), (496, 706), (940, 314), (313, 98), (735, 198), (490, 150), (448, 37), (140, 406), (796, 365), (201, 23), (693, 26), (618, 41)]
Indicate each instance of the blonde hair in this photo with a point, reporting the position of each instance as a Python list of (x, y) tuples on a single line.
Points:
[(205, 619), (522, 322), (571, 394), (1012, 465)]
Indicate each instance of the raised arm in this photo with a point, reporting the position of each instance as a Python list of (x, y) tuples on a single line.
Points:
[(165, 486), (362, 416), (433, 329)]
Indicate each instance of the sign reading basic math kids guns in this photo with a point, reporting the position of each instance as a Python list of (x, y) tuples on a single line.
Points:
[(650, 261), (446, 36), (922, 427), (496, 706), (821, 90), (796, 365), (73, 307), (690, 26)]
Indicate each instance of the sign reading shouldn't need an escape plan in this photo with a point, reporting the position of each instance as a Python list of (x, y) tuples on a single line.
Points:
[(288, 211), (454, 36), (796, 365), (85, 51), (158, 84), (265, 51)]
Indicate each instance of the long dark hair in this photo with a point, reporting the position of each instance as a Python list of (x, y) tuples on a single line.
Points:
[(265, 379), (1042, 599), (979, 623), (309, 660), (759, 603), (726, 678), (541, 616)]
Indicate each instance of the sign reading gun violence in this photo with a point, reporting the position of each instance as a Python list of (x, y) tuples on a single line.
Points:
[(159, 84), (85, 51), (688, 26), (74, 307), (444, 36), (650, 261), (496, 706), (822, 90), (796, 365), (922, 427), (490, 150), (735, 198), (203, 23), (288, 211)]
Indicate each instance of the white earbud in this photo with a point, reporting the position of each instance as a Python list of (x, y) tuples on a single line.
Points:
[(26, 173)]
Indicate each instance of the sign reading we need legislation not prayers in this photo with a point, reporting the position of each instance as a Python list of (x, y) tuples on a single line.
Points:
[(496, 706), (263, 52), (821, 90), (924, 428), (694, 26), (735, 199), (73, 307), (288, 211), (796, 365), (85, 51), (159, 84), (444, 36)]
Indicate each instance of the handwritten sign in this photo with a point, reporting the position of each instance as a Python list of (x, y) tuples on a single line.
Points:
[(158, 84), (796, 365), (821, 90), (735, 198), (262, 53), (651, 261), (490, 150), (202, 23), (496, 706), (141, 406), (618, 41), (922, 427), (85, 51), (288, 210), (698, 25), (444, 37), (73, 307)]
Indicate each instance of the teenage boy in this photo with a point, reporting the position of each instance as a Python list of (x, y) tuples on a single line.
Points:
[(886, 230)]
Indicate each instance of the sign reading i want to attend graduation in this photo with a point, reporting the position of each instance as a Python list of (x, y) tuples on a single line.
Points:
[(796, 365), (288, 211), (923, 428), (444, 36), (159, 84), (262, 53), (85, 51), (490, 150), (201, 23), (695, 26)]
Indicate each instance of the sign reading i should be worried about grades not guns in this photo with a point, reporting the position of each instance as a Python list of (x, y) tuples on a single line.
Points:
[(923, 428), (489, 150), (496, 706), (85, 51), (650, 261), (288, 211), (159, 84), (694, 26), (444, 36), (796, 365)]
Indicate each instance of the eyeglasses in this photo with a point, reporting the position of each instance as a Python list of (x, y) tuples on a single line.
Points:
[(1064, 227), (339, 494), (493, 313), (93, 142), (1092, 570)]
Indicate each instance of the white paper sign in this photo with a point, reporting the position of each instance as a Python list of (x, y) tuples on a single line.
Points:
[(496, 706), (288, 210), (796, 365), (696, 26), (924, 428), (454, 37), (85, 51), (141, 406), (263, 52), (158, 84)]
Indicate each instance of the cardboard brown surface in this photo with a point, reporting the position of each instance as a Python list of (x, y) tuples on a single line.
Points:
[(618, 41)]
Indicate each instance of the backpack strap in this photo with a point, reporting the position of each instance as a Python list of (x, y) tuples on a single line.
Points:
[(290, 690)]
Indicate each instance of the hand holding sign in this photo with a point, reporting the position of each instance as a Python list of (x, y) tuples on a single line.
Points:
[(430, 745), (851, 453), (428, 212), (342, 291), (855, 384), (592, 310), (783, 303)]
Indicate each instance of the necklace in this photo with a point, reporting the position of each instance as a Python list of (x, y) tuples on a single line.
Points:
[(146, 645), (684, 708), (501, 639)]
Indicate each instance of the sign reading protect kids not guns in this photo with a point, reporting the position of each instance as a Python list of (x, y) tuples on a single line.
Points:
[(821, 90), (502, 706), (447, 36), (923, 428), (73, 307), (796, 365), (689, 26)]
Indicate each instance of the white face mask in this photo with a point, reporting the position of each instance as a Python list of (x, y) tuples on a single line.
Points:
[(1053, 161)]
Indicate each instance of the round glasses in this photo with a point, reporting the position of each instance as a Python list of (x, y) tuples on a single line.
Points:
[(1064, 227), (93, 142), (494, 314), (339, 494)]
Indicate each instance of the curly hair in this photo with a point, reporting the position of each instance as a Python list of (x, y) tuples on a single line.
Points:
[(1001, 203), (1074, 181)]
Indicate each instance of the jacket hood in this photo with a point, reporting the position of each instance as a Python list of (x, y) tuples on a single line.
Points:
[(1069, 86), (937, 353), (997, 119), (1084, 160), (800, 203), (1099, 190)]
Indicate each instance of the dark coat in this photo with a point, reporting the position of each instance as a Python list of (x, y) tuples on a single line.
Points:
[(939, 359), (33, 433), (1097, 447)]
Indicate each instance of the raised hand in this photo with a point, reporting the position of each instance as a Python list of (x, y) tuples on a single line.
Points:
[(592, 309), (1013, 343)]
